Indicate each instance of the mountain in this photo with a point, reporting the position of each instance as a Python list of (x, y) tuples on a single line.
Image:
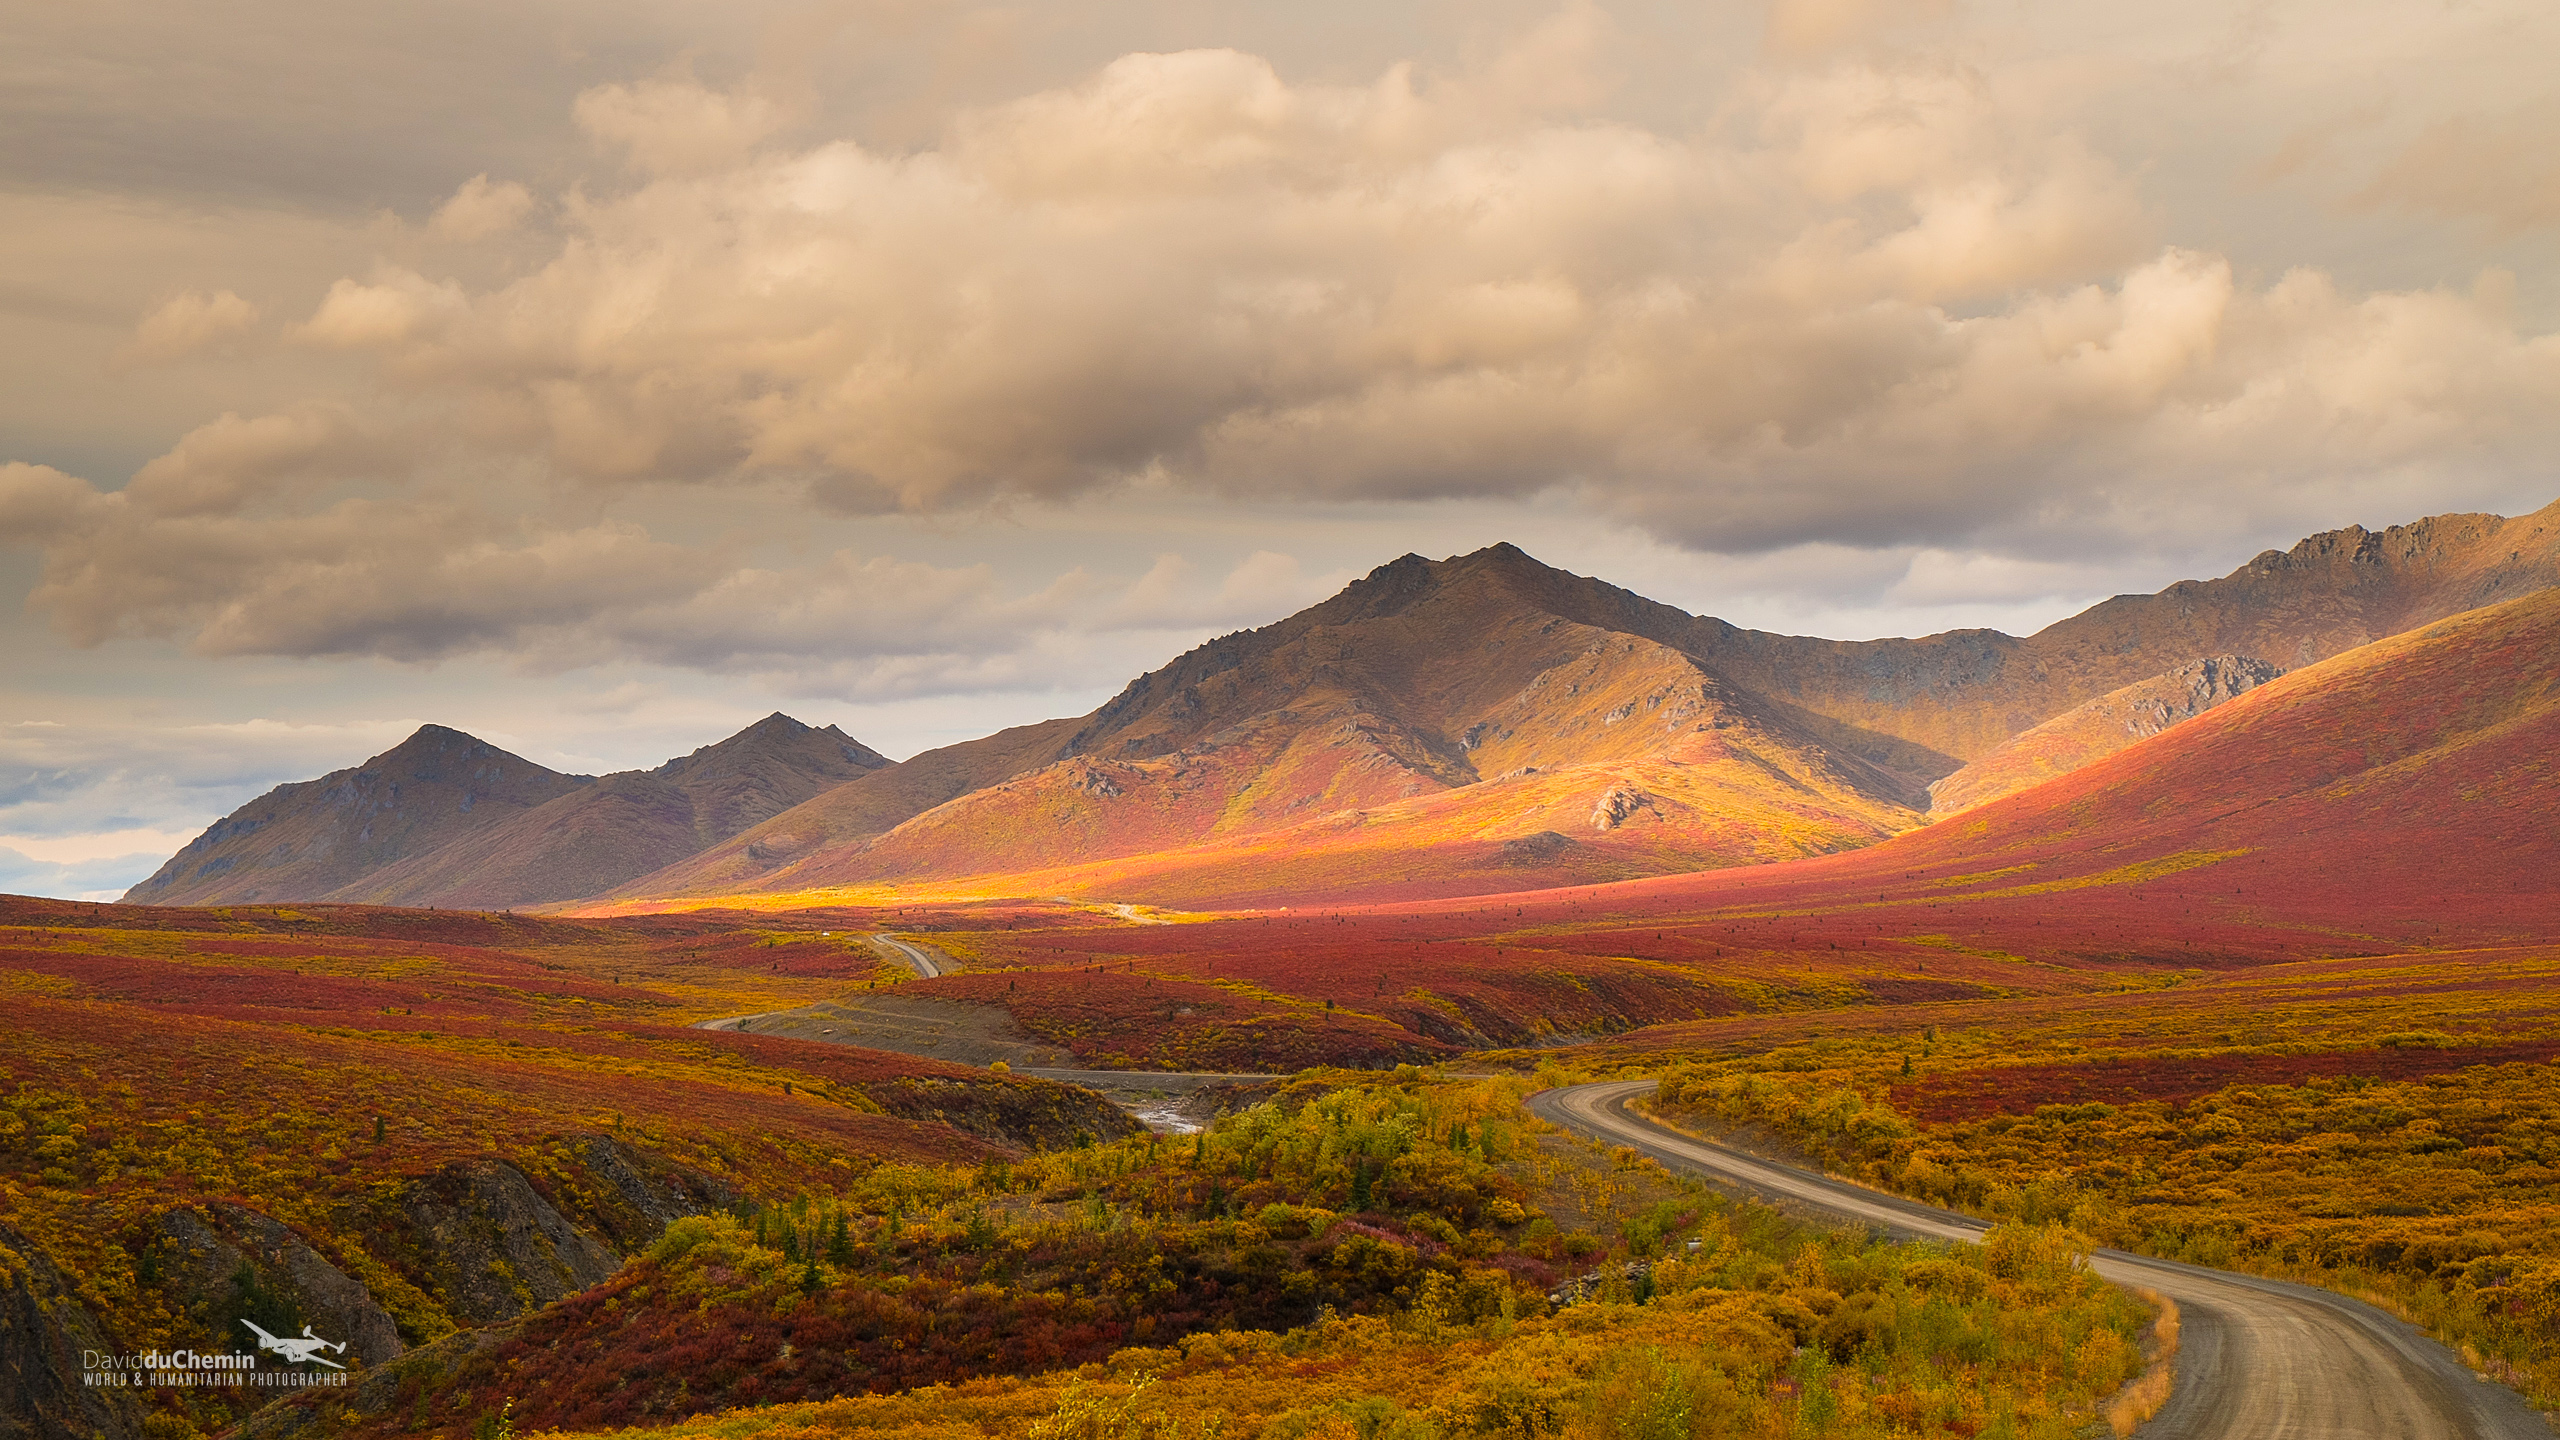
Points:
[(627, 824), (306, 840), (444, 819), (1445, 712), (863, 807), (1962, 694), (1482, 723), (2396, 796), (1487, 722), (2092, 732)]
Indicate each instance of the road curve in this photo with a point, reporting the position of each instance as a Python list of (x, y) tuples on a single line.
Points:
[(2258, 1359), (918, 958)]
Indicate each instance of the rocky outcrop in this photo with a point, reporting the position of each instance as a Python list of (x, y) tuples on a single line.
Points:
[(221, 1265), (637, 1195), (491, 1247), (2089, 733), (1621, 804), (44, 1332)]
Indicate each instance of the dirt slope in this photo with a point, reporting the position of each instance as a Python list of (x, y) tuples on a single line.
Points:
[(764, 855)]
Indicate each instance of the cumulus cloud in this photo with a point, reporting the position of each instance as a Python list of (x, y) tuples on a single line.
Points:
[(1878, 294), (481, 209), (1878, 298), (220, 467), (39, 504), (186, 325), (398, 305)]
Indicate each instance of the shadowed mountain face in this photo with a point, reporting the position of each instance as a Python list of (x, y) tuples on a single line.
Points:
[(1487, 722), (446, 820), (627, 824)]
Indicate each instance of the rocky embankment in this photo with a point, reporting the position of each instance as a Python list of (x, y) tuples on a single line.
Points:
[(469, 1245)]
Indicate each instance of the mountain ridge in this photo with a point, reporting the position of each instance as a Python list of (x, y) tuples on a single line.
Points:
[(1911, 712), (1469, 724), (550, 836)]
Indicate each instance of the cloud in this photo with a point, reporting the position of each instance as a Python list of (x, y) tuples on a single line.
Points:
[(104, 878), (480, 210), (1799, 28), (102, 845), (401, 580), (82, 792), (39, 504), (676, 126), (1869, 296), (398, 305), (178, 554), (1879, 295), (1262, 587), (2498, 166), (188, 324), (219, 468)]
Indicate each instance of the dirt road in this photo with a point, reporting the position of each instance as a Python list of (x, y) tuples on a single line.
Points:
[(926, 963), (2260, 1359)]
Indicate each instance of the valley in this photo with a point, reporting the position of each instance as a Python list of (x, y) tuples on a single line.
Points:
[(1194, 1067)]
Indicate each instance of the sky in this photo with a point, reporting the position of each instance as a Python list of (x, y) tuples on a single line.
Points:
[(599, 378)]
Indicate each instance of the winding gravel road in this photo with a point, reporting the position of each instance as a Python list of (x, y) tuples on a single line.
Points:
[(2259, 1359), (924, 962)]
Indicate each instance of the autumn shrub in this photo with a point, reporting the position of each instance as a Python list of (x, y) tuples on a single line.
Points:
[(2436, 1195)]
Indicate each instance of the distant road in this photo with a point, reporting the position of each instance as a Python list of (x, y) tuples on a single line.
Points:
[(2257, 1360), (925, 963)]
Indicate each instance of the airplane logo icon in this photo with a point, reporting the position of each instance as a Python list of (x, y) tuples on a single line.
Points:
[(302, 1350)]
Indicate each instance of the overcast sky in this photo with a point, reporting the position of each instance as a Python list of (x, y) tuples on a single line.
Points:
[(601, 377)]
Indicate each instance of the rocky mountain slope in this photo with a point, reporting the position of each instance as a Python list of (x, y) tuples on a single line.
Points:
[(1475, 724), (2396, 796), (1488, 722), (306, 840), (1962, 694), (1443, 712), (444, 819), (627, 824), (2092, 732)]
